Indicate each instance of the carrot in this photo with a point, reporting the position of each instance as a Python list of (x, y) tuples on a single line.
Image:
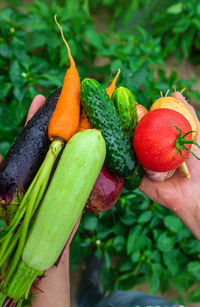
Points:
[(84, 123), (64, 122), (110, 89)]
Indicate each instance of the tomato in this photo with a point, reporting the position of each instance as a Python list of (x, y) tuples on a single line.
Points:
[(155, 140)]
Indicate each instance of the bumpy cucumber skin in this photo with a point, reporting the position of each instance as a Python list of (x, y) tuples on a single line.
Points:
[(124, 101), (103, 115), (73, 180)]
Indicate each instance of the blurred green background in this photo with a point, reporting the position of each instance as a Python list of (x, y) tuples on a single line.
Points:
[(156, 44)]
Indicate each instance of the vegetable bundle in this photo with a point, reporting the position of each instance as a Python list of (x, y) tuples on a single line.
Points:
[(99, 153)]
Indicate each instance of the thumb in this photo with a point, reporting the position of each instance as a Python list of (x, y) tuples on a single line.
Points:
[(37, 102)]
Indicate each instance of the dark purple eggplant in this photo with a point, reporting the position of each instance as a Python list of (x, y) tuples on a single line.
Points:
[(24, 158)]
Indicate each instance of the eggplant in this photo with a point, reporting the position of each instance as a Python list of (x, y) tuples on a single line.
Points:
[(24, 158)]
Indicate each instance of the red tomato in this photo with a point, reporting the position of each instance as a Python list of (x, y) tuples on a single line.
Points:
[(155, 138)]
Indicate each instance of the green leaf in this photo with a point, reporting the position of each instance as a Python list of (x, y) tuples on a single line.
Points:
[(17, 112), (175, 9), (155, 283), (119, 243), (194, 268), (171, 261), (165, 243), (107, 260), (173, 223), (145, 217), (15, 74), (187, 42), (135, 257), (2, 223), (194, 296), (181, 26), (5, 51), (107, 279), (90, 222), (196, 22), (132, 238), (4, 147), (43, 7), (137, 241), (5, 89), (126, 266), (39, 39), (19, 93), (140, 76), (93, 38)]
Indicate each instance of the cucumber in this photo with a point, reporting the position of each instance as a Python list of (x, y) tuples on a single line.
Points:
[(125, 103), (103, 115), (133, 182)]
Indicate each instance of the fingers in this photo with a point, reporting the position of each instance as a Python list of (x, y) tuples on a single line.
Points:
[(180, 97), (35, 105), (74, 231)]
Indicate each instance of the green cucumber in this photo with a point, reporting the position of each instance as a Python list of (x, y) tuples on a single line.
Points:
[(125, 103), (133, 182), (103, 115)]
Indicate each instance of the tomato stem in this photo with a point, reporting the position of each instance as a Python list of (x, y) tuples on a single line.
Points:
[(181, 141)]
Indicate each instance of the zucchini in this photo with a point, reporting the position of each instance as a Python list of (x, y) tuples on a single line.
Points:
[(125, 103), (103, 115), (75, 175)]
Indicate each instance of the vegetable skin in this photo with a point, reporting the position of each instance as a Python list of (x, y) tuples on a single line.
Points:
[(24, 158)]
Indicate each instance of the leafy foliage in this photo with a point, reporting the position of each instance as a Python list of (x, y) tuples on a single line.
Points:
[(176, 23), (147, 242)]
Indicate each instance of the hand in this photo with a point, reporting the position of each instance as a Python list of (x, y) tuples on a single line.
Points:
[(178, 194)]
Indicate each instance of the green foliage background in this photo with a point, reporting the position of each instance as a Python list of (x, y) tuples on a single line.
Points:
[(146, 240)]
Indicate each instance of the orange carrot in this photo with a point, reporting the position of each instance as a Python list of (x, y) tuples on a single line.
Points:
[(84, 123), (64, 122), (110, 89)]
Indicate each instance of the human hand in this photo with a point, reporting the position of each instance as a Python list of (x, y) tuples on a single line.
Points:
[(178, 194)]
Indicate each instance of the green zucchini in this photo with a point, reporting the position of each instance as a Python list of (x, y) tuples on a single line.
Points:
[(125, 103), (73, 180), (103, 115)]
